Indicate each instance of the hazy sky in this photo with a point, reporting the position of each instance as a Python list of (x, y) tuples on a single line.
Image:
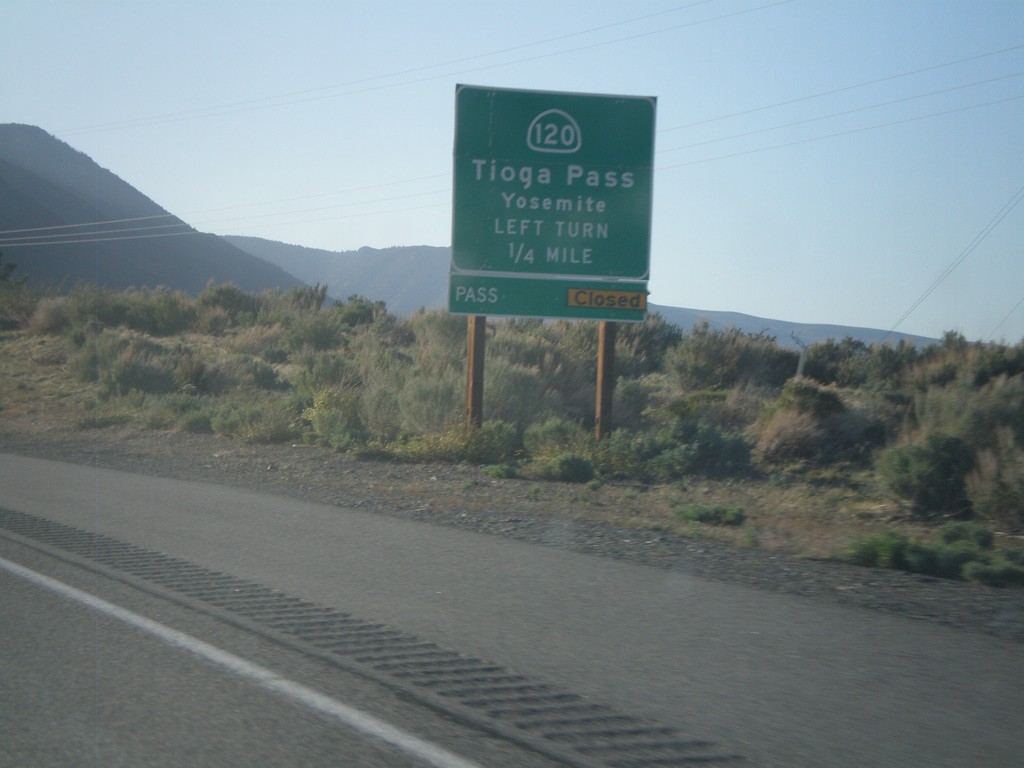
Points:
[(819, 161)]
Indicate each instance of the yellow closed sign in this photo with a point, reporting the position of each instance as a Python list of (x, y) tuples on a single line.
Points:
[(607, 299)]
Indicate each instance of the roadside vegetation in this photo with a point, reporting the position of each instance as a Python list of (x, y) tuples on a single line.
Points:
[(904, 457)]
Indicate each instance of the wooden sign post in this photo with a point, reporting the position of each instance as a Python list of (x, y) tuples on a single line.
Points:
[(476, 338), (605, 378)]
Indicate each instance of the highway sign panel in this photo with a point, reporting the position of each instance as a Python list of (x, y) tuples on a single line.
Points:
[(485, 294), (549, 183)]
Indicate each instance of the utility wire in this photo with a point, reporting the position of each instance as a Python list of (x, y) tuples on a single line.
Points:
[(199, 112), (85, 224), (229, 110), (844, 88), (193, 232), (842, 133), (236, 207), (866, 108), (90, 237), (45, 239), (996, 220), (1008, 316)]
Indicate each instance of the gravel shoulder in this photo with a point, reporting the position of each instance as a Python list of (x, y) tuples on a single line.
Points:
[(550, 514)]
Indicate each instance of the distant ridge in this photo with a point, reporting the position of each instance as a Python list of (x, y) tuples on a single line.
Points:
[(407, 278), (784, 331), (58, 194), (413, 277)]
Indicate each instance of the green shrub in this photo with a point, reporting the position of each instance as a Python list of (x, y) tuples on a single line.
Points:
[(440, 337), (17, 299), (213, 321), (121, 362), (630, 401), (623, 456), (188, 413), (190, 373), (551, 437), (947, 559), (506, 471), (336, 420), (950, 559), (95, 352), (516, 394), (430, 403), (1013, 555), (236, 304), (804, 396), (159, 312), (263, 340), (919, 557), (711, 515), (136, 369), (267, 421), (196, 422), (319, 331), (697, 448), (262, 375), (567, 467), (932, 476), (326, 370), (492, 443), (883, 550), (996, 573), (87, 303), (357, 311), (808, 423), (381, 412), (972, 533), (720, 359), (996, 485)]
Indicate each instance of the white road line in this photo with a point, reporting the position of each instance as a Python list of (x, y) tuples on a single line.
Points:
[(354, 718)]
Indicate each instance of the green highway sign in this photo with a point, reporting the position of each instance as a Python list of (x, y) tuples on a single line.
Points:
[(481, 294), (552, 185)]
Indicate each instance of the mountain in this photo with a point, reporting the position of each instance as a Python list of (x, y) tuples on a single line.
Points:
[(408, 278), (64, 220), (784, 331)]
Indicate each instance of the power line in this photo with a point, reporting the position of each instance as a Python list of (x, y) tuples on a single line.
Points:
[(253, 105), (1008, 316), (86, 238), (47, 239), (844, 88), (842, 133), (199, 112), (878, 105), (107, 222), (86, 224), (996, 220)]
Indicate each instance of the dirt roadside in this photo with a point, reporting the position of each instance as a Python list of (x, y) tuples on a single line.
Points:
[(551, 514)]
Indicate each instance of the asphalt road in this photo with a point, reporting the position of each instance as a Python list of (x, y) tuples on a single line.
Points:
[(783, 680), (140, 681)]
